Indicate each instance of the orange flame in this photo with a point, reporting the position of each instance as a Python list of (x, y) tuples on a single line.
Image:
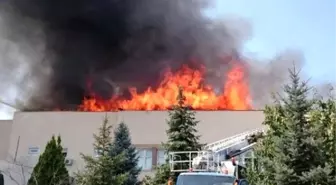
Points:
[(198, 95)]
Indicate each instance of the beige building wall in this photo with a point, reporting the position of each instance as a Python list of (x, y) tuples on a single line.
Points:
[(148, 130), (5, 130)]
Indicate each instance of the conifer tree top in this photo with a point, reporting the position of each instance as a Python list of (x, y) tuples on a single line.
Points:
[(180, 97), (291, 153), (182, 132), (50, 168), (102, 169), (122, 145), (182, 136)]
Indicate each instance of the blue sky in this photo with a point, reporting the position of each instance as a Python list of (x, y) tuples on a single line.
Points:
[(307, 25)]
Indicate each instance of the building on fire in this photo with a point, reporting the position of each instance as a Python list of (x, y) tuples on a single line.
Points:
[(24, 138)]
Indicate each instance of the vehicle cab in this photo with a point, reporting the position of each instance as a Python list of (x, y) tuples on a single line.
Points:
[(208, 178), (220, 163), (204, 168)]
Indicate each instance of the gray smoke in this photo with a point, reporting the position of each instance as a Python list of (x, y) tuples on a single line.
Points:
[(268, 77), (49, 49)]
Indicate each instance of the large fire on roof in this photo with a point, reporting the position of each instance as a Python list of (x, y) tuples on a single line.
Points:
[(198, 95)]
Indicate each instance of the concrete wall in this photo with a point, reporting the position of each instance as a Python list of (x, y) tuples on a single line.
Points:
[(147, 129)]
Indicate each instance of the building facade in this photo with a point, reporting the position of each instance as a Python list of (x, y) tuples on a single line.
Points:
[(24, 138)]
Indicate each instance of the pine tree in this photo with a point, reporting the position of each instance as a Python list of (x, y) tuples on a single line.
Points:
[(50, 168), (101, 170), (324, 120), (260, 170), (2, 181), (122, 145), (290, 153), (182, 132), (182, 136)]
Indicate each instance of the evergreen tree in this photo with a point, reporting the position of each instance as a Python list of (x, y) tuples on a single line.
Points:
[(260, 171), (182, 132), (122, 145), (162, 174), (102, 170), (50, 168), (2, 181), (290, 153), (324, 120), (182, 136)]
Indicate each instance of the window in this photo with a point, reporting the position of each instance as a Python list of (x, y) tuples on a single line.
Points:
[(33, 150), (161, 157), (145, 159)]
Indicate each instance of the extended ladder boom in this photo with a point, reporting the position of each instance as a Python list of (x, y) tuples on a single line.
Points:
[(211, 159), (231, 141)]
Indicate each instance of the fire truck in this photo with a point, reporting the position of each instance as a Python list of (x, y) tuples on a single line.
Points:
[(219, 163)]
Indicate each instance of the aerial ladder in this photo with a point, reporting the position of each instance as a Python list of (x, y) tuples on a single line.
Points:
[(222, 156)]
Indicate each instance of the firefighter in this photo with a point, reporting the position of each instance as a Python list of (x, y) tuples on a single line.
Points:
[(170, 181)]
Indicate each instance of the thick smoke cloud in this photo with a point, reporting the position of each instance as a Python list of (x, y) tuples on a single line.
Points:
[(51, 48), (24, 71)]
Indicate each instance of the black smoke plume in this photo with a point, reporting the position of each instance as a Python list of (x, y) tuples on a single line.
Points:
[(52, 48)]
